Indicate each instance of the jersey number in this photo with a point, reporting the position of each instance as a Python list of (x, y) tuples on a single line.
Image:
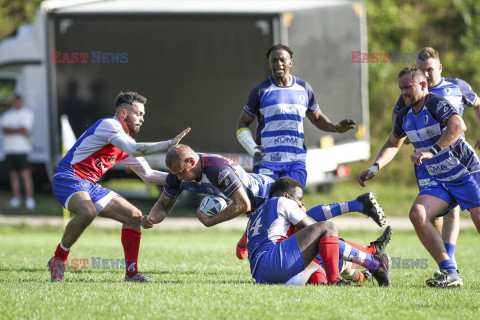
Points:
[(256, 226)]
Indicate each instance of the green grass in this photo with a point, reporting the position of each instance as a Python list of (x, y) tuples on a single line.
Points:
[(195, 275)]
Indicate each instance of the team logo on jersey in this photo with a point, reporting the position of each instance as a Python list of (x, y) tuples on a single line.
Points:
[(112, 158), (285, 140), (302, 99), (425, 118), (222, 176), (430, 133), (447, 90)]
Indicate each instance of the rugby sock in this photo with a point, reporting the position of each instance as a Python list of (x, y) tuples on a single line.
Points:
[(448, 265), (61, 253), (450, 247), (131, 245), (368, 249), (328, 249), (355, 205), (349, 253), (328, 211), (318, 276)]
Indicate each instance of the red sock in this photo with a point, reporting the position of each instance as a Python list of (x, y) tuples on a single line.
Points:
[(318, 276), (243, 242), (131, 245), (328, 249), (368, 249), (61, 254)]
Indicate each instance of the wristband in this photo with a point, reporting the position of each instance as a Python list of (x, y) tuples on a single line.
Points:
[(244, 136), (435, 149), (374, 169)]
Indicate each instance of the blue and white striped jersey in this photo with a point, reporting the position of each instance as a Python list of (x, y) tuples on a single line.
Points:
[(425, 128), (280, 111), (269, 224), (222, 176), (458, 92)]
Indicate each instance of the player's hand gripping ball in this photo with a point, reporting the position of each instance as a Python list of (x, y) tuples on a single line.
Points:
[(211, 205)]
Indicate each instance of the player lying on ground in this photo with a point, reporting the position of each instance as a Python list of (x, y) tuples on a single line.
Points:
[(75, 186), (207, 174), (277, 255)]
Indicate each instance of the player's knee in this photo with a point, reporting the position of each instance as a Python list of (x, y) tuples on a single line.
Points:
[(88, 214), (327, 229), (136, 213), (134, 218), (416, 217)]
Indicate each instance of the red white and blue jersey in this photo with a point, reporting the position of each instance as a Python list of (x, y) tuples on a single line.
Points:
[(221, 176), (269, 224), (457, 91), (93, 154), (280, 111), (425, 128)]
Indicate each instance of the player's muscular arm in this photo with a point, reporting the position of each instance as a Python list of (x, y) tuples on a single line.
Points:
[(385, 155), (455, 128), (159, 211), (140, 149), (321, 121), (245, 120), (142, 169), (240, 204), (394, 116)]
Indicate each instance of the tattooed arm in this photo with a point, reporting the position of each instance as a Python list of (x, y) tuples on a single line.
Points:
[(159, 211)]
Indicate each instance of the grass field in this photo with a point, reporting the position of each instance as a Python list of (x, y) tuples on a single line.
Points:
[(195, 275)]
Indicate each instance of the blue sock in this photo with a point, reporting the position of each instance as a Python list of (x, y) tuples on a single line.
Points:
[(355, 205), (328, 211), (349, 253), (448, 265), (450, 247)]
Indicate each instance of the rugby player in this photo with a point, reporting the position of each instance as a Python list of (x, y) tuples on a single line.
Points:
[(75, 185), (279, 254), (209, 174), (435, 130), (460, 94)]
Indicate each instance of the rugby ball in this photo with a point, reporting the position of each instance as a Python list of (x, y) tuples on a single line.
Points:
[(211, 205)]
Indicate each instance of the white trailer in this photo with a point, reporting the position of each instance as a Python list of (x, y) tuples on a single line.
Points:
[(196, 62)]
